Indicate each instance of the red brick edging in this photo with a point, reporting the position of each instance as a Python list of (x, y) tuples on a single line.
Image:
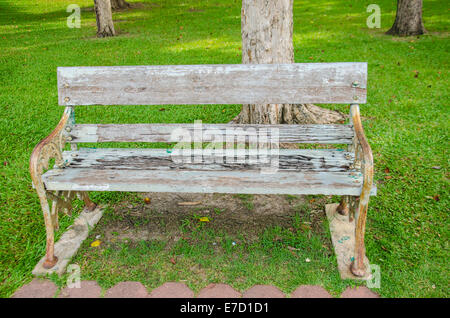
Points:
[(39, 288)]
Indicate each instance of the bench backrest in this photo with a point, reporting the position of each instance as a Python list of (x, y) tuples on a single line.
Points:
[(213, 84)]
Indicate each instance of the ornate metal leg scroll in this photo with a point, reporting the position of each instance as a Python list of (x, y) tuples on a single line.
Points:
[(90, 206), (342, 209), (347, 206), (62, 200), (54, 214)]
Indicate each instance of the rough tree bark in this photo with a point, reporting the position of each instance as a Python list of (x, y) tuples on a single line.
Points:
[(103, 13), (119, 4), (408, 20), (267, 27)]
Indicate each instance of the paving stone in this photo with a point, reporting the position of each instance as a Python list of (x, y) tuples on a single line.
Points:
[(127, 290), (37, 288), (218, 291), (310, 291), (172, 290), (70, 242), (88, 289), (263, 291), (344, 249), (359, 292)]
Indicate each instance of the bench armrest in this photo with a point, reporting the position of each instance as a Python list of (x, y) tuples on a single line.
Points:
[(363, 153), (49, 148)]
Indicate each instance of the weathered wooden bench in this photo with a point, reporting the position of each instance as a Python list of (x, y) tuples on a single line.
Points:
[(76, 171)]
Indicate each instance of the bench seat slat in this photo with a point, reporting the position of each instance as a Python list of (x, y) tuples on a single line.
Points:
[(320, 134), (164, 160), (295, 83), (251, 182)]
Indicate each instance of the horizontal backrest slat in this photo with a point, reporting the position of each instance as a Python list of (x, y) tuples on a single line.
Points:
[(320, 134), (213, 84)]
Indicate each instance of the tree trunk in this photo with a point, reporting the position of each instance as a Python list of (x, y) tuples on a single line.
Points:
[(119, 4), (408, 20), (267, 27), (105, 26)]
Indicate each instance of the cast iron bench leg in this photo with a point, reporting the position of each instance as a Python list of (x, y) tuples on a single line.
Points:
[(363, 155)]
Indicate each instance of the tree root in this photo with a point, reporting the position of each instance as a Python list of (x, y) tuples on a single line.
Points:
[(288, 114)]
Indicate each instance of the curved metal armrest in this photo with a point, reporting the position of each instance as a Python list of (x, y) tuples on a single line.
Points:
[(363, 152), (49, 148)]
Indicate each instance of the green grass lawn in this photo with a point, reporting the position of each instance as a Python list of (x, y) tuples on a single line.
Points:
[(406, 121)]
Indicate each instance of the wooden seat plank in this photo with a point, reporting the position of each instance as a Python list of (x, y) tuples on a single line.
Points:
[(249, 182), (222, 159)]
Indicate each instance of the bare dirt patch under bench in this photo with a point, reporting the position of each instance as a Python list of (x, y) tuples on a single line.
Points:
[(245, 216)]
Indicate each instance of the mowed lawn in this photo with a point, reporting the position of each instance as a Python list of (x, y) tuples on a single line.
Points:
[(406, 121)]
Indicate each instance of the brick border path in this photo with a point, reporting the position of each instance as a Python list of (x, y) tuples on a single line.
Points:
[(39, 288)]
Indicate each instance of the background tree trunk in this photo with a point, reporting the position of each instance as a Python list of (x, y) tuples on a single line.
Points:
[(267, 27), (105, 26), (408, 20), (119, 4)]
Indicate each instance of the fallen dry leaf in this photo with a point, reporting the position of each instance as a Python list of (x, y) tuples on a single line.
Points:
[(305, 227), (96, 243), (173, 261)]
